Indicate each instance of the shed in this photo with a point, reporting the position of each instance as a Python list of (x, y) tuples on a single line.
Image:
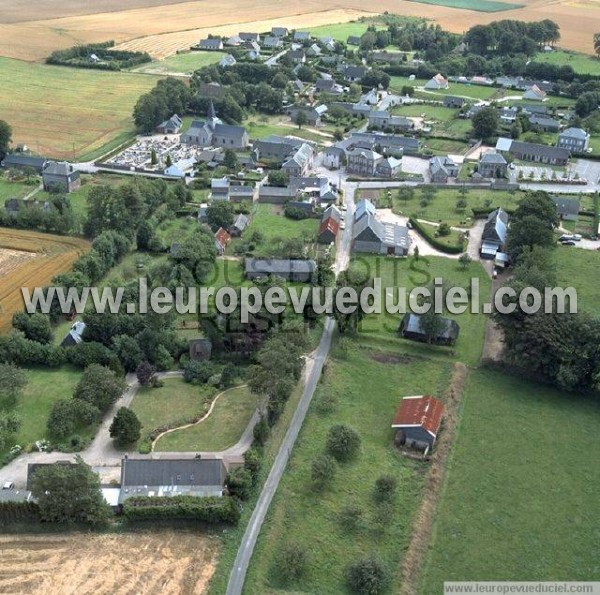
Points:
[(417, 421), (410, 328), (200, 349)]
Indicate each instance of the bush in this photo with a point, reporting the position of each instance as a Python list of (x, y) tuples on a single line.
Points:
[(207, 510), (126, 427), (343, 442), (292, 563), (350, 517), (322, 471), (431, 239), (385, 488), (239, 483), (367, 576), (292, 212), (261, 431), (198, 372), (253, 462)]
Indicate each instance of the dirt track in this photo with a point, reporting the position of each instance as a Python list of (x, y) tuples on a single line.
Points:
[(166, 562)]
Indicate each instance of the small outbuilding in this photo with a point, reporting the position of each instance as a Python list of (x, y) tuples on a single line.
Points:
[(417, 421), (411, 328)]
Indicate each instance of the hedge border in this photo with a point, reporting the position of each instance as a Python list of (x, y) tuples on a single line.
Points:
[(433, 240)]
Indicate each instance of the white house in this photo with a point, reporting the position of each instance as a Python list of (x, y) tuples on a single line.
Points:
[(437, 82)]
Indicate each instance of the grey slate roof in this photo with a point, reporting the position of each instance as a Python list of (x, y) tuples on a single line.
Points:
[(58, 168), (412, 324), (20, 160), (541, 150), (172, 472), (230, 131), (577, 133), (241, 222), (284, 266), (496, 226), (495, 158)]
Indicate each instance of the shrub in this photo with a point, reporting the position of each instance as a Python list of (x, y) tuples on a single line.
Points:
[(253, 462), (367, 576), (292, 562), (261, 431), (198, 372), (322, 471), (431, 239), (343, 442), (350, 517), (385, 488), (239, 483), (126, 427), (207, 510)]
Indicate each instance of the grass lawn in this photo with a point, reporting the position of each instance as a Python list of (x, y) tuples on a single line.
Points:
[(222, 429), (470, 91), (443, 120), (44, 387), (579, 268), (443, 206), (128, 270), (382, 329), (477, 5), (581, 63), (176, 230), (518, 493), (184, 63), (443, 146), (281, 126), (367, 394), (68, 112), (341, 31), (14, 189), (176, 401)]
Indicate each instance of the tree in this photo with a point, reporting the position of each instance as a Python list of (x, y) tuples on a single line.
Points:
[(385, 488), (69, 493), (301, 118), (10, 423), (153, 157), (464, 260), (461, 204), (343, 442), (278, 178), (485, 123), (406, 193), (12, 382), (292, 562), (99, 386), (443, 229), (597, 44), (367, 576), (125, 428), (367, 41), (407, 90), (230, 160), (239, 483), (416, 252), (220, 214), (36, 327), (432, 325), (145, 373), (5, 136), (322, 471), (168, 161)]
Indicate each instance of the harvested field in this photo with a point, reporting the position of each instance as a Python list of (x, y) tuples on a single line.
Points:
[(161, 561), (31, 259)]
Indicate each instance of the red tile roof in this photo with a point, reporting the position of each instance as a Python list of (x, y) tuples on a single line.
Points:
[(424, 411), (329, 224), (223, 237)]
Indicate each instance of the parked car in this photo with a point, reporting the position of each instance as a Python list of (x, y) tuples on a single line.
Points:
[(8, 485), (576, 237), (568, 243), (566, 238)]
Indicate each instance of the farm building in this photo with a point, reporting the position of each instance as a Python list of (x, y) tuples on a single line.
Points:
[(60, 176), (172, 477), (417, 421), (170, 126), (437, 82), (75, 335), (494, 234), (200, 349), (375, 237), (330, 225), (410, 328), (290, 270), (20, 161)]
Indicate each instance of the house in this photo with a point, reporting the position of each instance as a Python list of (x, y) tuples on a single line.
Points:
[(276, 148), (222, 239), (386, 143), (172, 477), (532, 108), (249, 37), (328, 86), (437, 82), (239, 225), (314, 50), (20, 161), (272, 42), (200, 349), (75, 335), (334, 157), (300, 162), (544, 123), (213, 132), (202, 216), (509, 82), (371, 97), (387, 57), (375, 237), (276, 195), (492, 165), (301, 35), (279, 32), (575, 140), (473, 111), (533, 152), (296, 56), (242, 192), (353, 74), (291, 270), (219, 189), (567, 208), (60, 176), (253, 55), (411, 328), (388, 167), (234, 41), (417, 421), (362, 162), (364, 207), (211, 44), (317, 187), (454, 102), (171, 126), (313, 114), (442, 168), (227, 60), (328, 43), (330, 225), (508, 114), (534, 93), (353, 40), (494, 233), (180, 168), (383, 119)]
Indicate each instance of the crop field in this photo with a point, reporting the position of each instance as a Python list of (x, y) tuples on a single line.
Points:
[(67, 112), (46, 256), (477, 5), (508, 478), (181, 64), (166, 561), (581, 63)]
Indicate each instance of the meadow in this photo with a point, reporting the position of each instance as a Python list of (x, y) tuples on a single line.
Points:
[(579, 269), (365, 387), (581, 63), (181, 64), (477, 5), (69, 113), (9, 189), (518, 491), (474, 92)]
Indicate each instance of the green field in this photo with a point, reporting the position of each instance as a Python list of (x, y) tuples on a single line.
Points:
[(579, 269), (182, 64), (44, 387), (340, 31), (477, 5), (175, 402), (279, 126), (382, 329), (367, 394), (222, 429), (581, 63), (517, 499), (13, 190), (457, 89), (69, 113)]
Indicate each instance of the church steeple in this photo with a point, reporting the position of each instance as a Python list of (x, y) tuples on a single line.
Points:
[(211, 111)]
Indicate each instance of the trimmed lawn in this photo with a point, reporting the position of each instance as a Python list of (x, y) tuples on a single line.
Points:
[(175, 402), (469, 91), (282, 126), (382, 329), (14, 190), (44, 388), (185, 63), (579, 268), (367, 394), (222, 429), (443, 146), (519, 491), (581, 63)]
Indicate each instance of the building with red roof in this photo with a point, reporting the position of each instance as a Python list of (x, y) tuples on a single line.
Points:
[(417, 421), (330, 225), (222, 239)]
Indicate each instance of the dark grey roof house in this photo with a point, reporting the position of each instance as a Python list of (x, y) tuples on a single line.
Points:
[(353, 40), (211, 44), (276, 195), (451, 101), (575, 140), (370, 235), (410, 328), (172, 477), (291, 270), (568, 208), (301, 35), (492, 165), (60, 176), (544, 123), (354, 73), (279, 32), (20, 161), (249, 37), (442, 168), (277, 148), (239, 225), (494, 234), (539, 153)]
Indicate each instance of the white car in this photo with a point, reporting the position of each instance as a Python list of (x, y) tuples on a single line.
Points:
[(576, 237)]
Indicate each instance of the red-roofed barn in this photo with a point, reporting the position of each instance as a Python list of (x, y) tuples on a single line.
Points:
[(417, 421)]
